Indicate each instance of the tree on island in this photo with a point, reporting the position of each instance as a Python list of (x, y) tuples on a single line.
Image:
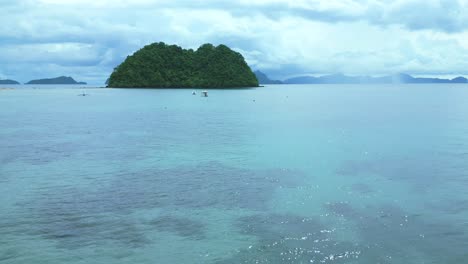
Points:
[(169, 66)]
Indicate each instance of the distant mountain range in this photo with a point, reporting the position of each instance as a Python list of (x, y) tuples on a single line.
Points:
[(8, 82), (343, 79), (58, 80), (263, 79)]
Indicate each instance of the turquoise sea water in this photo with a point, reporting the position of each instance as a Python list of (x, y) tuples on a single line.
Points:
[(279, 174)]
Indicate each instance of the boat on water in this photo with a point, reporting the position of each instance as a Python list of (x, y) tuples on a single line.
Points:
[(194, 93), (205, 93)]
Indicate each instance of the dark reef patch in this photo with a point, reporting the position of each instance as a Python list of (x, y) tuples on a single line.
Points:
[(290, 239), (181, 226), (74, 231), (78, 217), (205, 185), (279, 226), (450, 206), (421, 173), (389, 233), (341, 209), (362, 188), (405, 235)]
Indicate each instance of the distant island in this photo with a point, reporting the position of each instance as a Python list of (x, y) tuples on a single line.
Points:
[(8, 82), (263, 78), (159, 65), (343, 79), (58, 80)]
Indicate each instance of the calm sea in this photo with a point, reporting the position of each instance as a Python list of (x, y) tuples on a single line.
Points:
[(280, 174)]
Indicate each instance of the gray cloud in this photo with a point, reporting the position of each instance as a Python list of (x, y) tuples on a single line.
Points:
[(441, 15), (438, 15), (89, 38)]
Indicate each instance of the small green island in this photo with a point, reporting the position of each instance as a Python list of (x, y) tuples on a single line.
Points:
[(159, 65), (7, 81), (57, 80)]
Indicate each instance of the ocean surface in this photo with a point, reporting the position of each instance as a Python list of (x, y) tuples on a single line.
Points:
[(280, 174)]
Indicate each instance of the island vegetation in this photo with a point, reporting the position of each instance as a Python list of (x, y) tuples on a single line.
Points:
[(7, 81), (159, 65), (58, 80)]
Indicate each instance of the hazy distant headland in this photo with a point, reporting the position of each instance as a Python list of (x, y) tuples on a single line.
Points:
[(57, 80), (8, 82), (344, 79), (169, 66), (264, 79)]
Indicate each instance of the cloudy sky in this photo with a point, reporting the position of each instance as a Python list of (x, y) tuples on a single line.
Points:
[(86, 39)]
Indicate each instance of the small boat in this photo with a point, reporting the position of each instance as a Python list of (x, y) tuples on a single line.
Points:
[(205, 93), (83, 94), (194, 93)]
